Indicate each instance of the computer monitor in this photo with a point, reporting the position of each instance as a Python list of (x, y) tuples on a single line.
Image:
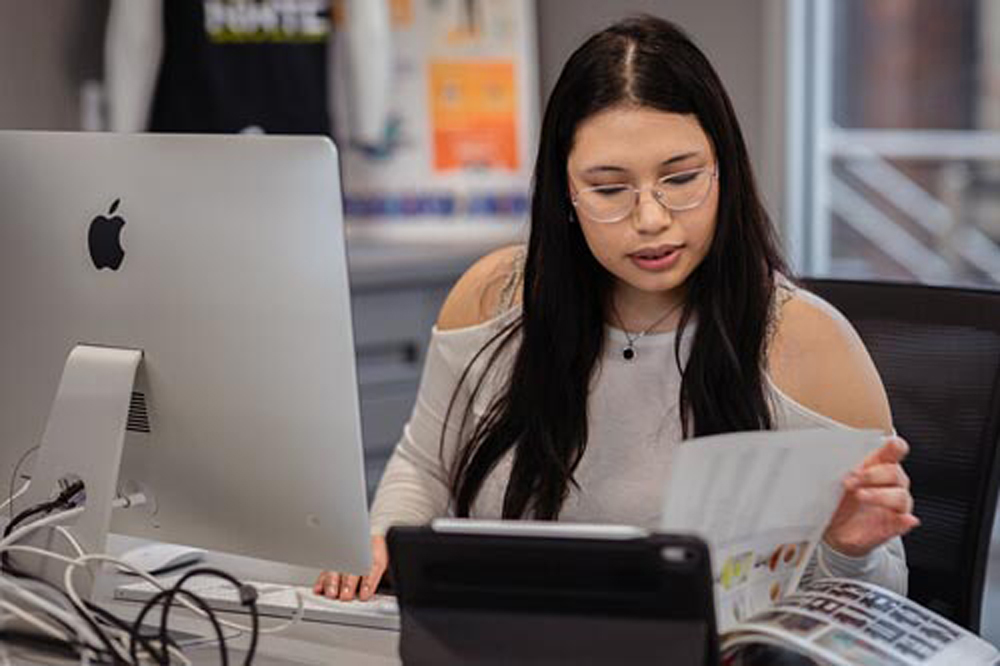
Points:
[(244, 430)]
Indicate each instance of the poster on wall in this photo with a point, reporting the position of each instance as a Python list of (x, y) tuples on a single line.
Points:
[(461, 132)]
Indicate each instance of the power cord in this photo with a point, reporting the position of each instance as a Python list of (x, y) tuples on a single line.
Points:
[(77, 640), (248, 598), (13, 480)]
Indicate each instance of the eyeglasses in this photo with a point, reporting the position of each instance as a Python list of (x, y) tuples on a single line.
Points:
[(677, 192)]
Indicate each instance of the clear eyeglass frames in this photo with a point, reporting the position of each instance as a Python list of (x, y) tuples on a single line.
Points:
[(680, 191)]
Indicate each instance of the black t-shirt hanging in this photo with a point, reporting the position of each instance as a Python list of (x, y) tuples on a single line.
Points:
[(243, 65)]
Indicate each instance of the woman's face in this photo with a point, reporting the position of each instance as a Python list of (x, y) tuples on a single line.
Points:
[(653, 250)]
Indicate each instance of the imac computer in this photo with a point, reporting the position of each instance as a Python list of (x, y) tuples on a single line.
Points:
[(175, 327)]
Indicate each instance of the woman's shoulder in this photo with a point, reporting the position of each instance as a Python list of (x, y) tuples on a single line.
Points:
[(487, 290), (817, 358)]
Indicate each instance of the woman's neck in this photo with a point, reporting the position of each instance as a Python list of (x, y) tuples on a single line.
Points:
[(636, 310)]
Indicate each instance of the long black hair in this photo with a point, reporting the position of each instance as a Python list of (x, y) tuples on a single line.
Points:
[(541, 413)]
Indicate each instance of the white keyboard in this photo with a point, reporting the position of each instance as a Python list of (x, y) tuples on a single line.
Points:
[(380, 612)]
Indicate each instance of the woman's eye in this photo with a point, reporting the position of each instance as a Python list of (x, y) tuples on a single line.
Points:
[(681, 178), (610, 190)]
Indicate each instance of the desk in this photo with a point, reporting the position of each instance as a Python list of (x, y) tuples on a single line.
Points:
[(307, 643)]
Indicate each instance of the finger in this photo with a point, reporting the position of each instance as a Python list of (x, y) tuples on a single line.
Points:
[(320, 583), (892, 498), (348, 586), (904, 523), (878, 475), (893, 450), (332, 588), (370, 582)]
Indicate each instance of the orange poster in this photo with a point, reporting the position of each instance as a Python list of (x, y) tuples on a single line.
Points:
[(473, 114)]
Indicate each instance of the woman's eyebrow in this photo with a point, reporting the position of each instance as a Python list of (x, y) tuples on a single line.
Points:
[(680, 158), (602, 168)]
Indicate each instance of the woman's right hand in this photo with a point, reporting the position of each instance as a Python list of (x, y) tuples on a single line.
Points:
[(345, 587)]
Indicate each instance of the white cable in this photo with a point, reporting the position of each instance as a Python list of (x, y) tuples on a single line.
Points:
[(21, 532), (23, 489), (18, 534), (82, 561), (83, 630), (7, 544), (66, 534), (34, 620)]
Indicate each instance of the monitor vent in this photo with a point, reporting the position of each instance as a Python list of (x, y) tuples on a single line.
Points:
[(138, 416)]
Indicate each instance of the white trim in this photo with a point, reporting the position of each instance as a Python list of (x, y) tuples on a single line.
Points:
[(819, 250), (937, 145), (795, 104)]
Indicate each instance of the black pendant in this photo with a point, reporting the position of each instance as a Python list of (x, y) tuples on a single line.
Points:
[(628, 353)]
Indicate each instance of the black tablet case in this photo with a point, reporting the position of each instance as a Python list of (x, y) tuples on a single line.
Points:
[(487, 599)]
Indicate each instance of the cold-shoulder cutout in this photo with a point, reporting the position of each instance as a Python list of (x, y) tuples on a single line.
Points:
[(818, 360), (489, 287)]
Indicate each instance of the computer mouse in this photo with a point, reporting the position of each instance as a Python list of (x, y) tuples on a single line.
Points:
[(160, 558)]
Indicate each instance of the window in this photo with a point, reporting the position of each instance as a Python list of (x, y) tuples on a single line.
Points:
[(894, 139)]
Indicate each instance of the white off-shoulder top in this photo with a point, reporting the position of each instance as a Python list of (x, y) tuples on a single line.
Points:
[(634, 429)]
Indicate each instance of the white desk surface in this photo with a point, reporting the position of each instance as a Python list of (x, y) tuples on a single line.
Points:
[(307, 643)]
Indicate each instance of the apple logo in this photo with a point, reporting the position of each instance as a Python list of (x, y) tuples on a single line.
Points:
[(105, 239)]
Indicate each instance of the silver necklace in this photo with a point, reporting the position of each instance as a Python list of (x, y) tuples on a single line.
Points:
[(628, 351)]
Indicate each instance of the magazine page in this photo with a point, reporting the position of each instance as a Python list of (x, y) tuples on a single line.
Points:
[(761, 500), (849, 623)]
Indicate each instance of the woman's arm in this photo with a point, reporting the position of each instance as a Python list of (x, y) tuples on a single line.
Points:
[(818, 359), (415, 486)]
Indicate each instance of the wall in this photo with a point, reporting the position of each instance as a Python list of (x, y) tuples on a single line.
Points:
[(47, 49), (736, 36)]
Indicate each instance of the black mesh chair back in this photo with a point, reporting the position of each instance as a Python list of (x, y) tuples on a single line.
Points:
[(938, 352)]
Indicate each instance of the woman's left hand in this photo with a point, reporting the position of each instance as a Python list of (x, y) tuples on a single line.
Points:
[(876, 505)]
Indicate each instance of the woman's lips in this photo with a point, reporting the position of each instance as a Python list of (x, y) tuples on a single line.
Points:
[(657, 259)]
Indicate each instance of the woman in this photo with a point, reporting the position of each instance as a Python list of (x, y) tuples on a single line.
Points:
[(553, 387)]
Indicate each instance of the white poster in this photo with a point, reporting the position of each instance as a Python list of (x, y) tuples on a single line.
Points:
[(460, 141)]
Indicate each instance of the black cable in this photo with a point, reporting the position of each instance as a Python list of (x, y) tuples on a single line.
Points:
[(45, 508), (170, 594), (248, 597), (69, 649), (96, 628), (63, 500), (117, 622), (247, 593), (13, 479)]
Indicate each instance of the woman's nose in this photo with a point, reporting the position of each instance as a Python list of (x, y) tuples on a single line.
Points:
[(651, 215)]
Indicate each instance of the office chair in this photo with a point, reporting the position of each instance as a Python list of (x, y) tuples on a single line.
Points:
[(938, 352)]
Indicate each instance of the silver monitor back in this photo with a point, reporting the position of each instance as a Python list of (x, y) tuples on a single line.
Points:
[(234, 285)]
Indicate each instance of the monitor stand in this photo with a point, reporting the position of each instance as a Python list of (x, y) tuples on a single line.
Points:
[(83, 441)]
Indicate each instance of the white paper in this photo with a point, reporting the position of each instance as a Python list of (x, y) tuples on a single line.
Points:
[(762, 501)]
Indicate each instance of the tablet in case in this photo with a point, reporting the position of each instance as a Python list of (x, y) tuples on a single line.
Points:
[(518, 592)]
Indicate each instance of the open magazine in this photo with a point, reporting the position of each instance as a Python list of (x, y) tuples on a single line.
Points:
[(845, 623), (762, 500)]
